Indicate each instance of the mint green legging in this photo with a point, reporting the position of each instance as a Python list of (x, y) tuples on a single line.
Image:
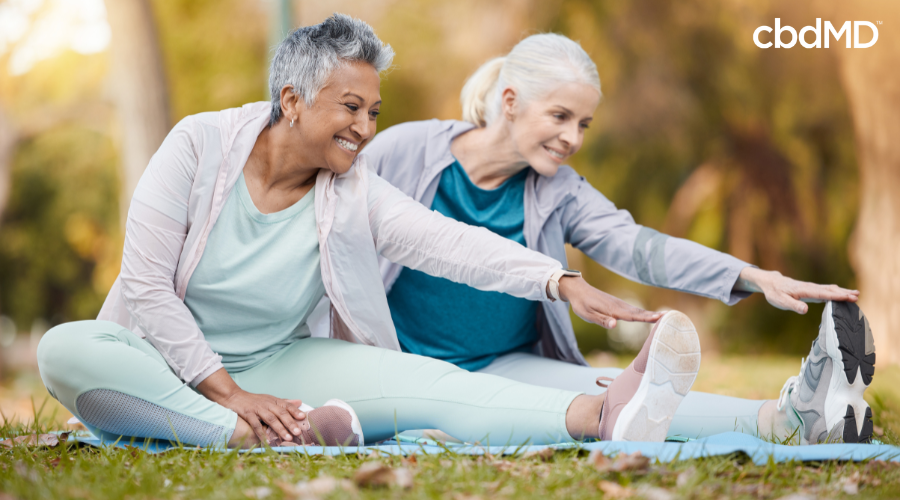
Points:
[(118, 384)]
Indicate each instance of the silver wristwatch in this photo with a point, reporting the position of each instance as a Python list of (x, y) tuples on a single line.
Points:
[(553, 284)]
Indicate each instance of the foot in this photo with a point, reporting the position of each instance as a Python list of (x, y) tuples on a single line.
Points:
[(332, 424), (826, 399), (641, 402)]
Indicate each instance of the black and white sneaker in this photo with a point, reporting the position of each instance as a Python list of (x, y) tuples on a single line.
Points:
[(827, 396)]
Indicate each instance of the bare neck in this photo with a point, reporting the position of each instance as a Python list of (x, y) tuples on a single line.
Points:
[(277, 173), (488, 155)]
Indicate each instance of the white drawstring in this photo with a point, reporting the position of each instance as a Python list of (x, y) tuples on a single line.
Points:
[(791, 384)]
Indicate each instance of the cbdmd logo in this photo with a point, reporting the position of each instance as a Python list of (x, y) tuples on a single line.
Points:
[(826, 34)]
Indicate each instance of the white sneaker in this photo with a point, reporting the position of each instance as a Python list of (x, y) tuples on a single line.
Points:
[(843, 356)]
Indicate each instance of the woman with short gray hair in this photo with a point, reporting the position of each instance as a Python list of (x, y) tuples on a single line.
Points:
[(244, 219)]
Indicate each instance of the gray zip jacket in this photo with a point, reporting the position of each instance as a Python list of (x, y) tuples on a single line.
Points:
[(561, 209)]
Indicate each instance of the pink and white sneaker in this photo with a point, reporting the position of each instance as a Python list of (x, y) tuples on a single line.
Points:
[(642, 400), (332, 424)]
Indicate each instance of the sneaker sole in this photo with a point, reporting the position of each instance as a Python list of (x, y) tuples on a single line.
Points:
[(355, 426), (847, 338), (672, 366)]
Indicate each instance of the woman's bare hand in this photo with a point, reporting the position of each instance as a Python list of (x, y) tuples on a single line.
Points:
[(599, 307), (789, 294), (258, 410)]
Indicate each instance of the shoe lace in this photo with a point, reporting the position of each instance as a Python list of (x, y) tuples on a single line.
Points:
[(789, 386)]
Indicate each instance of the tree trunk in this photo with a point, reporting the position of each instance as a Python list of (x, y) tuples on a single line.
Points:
[(873, 89), (139, 88), (8, 141)]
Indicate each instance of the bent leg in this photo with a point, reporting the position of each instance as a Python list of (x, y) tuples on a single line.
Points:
[(118, 384), (393, 391), (699, 415)]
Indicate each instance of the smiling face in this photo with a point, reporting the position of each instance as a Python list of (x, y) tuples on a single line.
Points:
[(548, 130), (342, 119)]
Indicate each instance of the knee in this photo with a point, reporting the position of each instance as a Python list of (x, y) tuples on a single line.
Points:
[(63, 343)]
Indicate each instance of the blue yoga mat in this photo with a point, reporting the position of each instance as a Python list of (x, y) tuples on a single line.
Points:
[(726, 443)]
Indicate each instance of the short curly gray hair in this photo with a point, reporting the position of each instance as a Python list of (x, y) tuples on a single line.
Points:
[(308, 56)]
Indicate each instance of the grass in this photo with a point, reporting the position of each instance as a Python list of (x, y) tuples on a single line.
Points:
[(68, 471)]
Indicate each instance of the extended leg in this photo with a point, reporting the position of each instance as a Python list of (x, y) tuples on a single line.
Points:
[(393, 391), (699, 415)]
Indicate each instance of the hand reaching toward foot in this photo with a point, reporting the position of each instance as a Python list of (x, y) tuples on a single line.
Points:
[(601, 308), (789, 294)]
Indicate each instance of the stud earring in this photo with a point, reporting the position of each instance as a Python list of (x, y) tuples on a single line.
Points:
[(292, 123)]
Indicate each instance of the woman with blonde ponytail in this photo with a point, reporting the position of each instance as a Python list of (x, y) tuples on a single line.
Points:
[(474, 95), (503, 168)]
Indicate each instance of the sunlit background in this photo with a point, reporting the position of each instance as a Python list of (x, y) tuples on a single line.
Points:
[(700, 134)]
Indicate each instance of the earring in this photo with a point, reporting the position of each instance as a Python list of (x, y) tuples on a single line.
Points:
[(292, 123)]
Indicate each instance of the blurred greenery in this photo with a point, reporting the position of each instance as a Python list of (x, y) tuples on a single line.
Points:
[(56, 257), (699, 135)]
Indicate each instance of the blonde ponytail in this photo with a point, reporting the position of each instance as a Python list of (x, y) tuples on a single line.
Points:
[(476, 92), (535, 66)]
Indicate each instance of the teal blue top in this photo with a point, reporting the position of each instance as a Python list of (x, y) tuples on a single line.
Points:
[(450, 321), (258, 279)]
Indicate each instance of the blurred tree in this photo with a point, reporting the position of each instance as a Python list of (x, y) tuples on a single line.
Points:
[(216, 53), (7, 147), (870, 79), (751, 149), (139, 89)]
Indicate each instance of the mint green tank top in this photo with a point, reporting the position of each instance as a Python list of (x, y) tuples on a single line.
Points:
[(258, 279)]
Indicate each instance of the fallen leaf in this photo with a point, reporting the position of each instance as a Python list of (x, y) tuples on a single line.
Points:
[(377, 474), (878, 430), (410, 461), (50, 440), (503, 465), (492, 486), (654, 493), (622, 462), (318, 487), (75, 424), (544, 454), (404, 477), (259, 492), (850, 485), (599, 460), (287, 488), (685, 477), (635, 462), (614, 490)]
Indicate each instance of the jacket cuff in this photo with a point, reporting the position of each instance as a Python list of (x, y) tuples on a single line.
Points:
[(545, 282), (732, 296), (205, 374)]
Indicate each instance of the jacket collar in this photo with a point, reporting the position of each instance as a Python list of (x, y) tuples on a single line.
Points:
[(543, 196)]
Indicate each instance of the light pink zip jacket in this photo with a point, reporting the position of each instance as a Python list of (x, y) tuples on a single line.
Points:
[(358, 216)]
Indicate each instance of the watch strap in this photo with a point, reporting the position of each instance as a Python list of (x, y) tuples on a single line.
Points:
[(553, 284)]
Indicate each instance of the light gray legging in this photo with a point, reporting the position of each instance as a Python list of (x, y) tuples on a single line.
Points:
[(118, 384), (700, 414)]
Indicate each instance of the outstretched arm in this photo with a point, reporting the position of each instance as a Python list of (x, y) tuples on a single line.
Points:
[(612, 238), (409, 234), (789, 294)]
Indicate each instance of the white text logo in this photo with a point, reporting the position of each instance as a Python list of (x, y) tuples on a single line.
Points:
[(819, 33)]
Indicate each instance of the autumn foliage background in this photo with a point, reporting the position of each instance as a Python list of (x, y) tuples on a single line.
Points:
[(765, 154)]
